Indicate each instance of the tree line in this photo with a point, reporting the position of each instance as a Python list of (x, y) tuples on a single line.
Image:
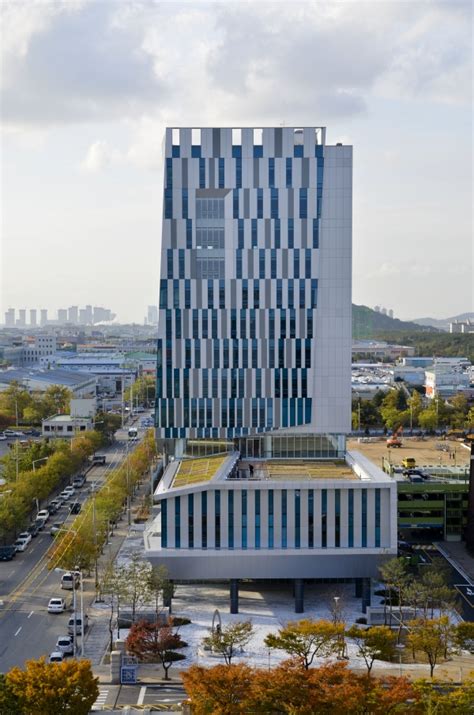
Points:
[(26, 482), (395, 409), (83, 542), (18, 405)]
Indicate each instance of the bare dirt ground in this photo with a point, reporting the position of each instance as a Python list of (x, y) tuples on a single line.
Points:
[(425, 452)]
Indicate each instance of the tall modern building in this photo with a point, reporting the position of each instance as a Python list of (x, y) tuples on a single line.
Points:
[(255, 294), (254, 365)]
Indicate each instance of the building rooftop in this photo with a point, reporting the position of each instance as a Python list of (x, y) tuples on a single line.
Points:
[(67, 378), (201, 469), (303, 469)]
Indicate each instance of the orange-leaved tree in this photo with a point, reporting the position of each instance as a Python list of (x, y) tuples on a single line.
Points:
[(307, 639), (152, 642), (44, 688), (222, 690)]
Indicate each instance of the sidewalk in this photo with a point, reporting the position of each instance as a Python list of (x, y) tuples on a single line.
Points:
[(97, 638)]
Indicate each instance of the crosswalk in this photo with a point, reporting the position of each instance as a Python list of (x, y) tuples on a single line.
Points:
[(101, 700)]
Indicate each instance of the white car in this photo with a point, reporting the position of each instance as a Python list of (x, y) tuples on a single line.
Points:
[(56, 657), (3, 436), (69, 490), (24, 536), (43, 514), (20, 545), (56, 605), (70, 580), (65, 645), (65, 496)]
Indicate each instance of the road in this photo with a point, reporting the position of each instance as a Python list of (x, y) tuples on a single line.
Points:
[(118, 696), (26, 628)]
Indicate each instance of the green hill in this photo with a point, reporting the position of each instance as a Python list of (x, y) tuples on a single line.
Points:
[(367, 323)]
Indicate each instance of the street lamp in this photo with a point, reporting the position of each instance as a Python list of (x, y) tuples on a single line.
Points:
[(81, 584), (400, 648), (35, 461)]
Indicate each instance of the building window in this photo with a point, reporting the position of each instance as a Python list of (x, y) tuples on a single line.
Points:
[(221, 173), (261, 263), (238, 172), (270, 519), (350, 524), (324, 517), (235, 203), (204, 520), (277, 233), (273, 263), (230, 525), (257, 519), (209, 238), (244, 518), (259, 203), (297, 519), (177, 522), (185, 203), (307, 263), (271, 172), (238, 264), (289, 173), (377, 517), (303, 203), (169, 173), (291, 233), (296, 263), (164, 524), (218, 519), (210, 208), (168, 203), (202, 173), (284, 519), (364, 517), (254, 233), (337, 500), (311, 518), (315, 233), (274, 203), (208, 268)]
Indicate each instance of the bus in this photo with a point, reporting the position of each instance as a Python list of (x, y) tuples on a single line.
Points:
[(132, 433)]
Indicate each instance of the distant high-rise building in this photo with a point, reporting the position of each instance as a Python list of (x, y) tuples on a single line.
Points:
[(10, 318), (73, 314), (62, 316), (33, 317), (152, 315), (89, 315), (44, 316), (82, 316), (377, 308), (390, 313), (383, 311), (22, 318)]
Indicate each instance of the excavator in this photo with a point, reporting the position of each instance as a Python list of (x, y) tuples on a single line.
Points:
[(396, 439)]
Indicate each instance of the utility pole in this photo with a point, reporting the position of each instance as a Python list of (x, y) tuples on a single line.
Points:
[(129, 520), (96, 556)]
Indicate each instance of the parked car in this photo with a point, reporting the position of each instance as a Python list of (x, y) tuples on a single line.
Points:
[(57, 526), (43, 514), (65, 496), (24, 536), (56, 605), (33, 530), (75, 507), (7, 553), (54, 506), (56, 657), (70, 580), (99, 459), (75, 624), (79, 481), (40, 523), (65, 645), (3, 436), (20, 545), (69, 490)]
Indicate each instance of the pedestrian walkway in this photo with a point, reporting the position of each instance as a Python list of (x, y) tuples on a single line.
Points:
[(97, 637)]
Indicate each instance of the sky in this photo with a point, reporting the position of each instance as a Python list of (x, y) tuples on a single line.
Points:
[(88, 87)]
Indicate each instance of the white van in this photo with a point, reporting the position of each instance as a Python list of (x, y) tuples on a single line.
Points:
[(70, 580)]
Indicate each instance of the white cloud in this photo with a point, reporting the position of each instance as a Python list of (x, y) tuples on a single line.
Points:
[(100, 156)]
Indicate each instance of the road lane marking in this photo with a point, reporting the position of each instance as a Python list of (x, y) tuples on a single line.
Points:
[(141, 696), (31, 614), (18, 630)]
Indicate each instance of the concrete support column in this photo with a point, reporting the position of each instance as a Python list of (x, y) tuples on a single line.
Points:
[(299, 595), (366, 594), (358, 587), (168, 595), (115, 665), (234, 595)]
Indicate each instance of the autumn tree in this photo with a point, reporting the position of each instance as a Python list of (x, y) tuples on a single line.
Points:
[(440, 699), (222, 690), (151, 642), (159, 584), (396, 578), (375, 643), (464, 635), (9, 703), (60, 688), (430, 637), (229, 640), (306, 639)]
